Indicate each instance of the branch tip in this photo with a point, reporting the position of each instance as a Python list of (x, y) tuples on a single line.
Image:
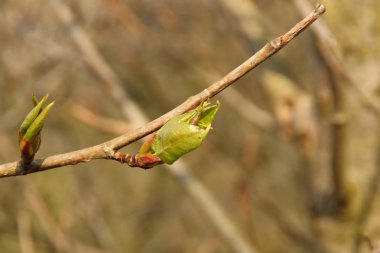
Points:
[(319, 9), (110, 152)]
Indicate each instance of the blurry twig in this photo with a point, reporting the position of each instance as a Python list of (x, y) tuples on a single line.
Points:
[(271, 208), (248, 16), (97, 64), (95, 217), (328, 47), (57, 237), (373, 247), (244, 107), (54, 232), (128, 17), (366, 208), (24, 233), (95, 120), (248, 110)]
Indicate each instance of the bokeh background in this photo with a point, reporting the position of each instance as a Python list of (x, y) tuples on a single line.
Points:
[(292, 160)]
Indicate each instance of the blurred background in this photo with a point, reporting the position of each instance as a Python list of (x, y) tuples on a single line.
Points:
[(292, 164)]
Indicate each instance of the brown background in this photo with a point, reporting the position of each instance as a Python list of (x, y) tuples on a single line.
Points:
[(272, 171)]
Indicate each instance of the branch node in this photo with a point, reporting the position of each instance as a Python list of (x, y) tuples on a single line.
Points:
[(110, 152), (24, 168), (276, 43), (144, 161)]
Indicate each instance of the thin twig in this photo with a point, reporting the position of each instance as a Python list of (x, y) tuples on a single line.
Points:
[(245, 108), (327, 44), (196, 189), (366, 208), (107, 149), (24, 233), (54, 233), (373, 246), (327, 48), (97, 64), (95, 217), (97, 121), (283, 222)]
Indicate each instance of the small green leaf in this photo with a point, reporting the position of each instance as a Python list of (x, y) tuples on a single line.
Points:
[(208, 114), (36, 126), (32, 115), (35, 100)]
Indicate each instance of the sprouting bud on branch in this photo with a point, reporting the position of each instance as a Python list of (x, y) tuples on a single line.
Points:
[(177, 137), (29, 136), (184, 133)]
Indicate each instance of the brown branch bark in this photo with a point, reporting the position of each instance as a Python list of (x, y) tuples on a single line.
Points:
[(107, 149)]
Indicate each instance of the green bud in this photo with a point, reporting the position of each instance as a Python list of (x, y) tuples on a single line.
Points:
[(29, 135), (184, 133)]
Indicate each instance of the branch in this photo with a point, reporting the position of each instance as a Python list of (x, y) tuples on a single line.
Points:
[(97, 121), (107, 149), (202, 197), (327, 46)]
